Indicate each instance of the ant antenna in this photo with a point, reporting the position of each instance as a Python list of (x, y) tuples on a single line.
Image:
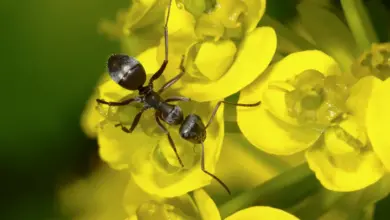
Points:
[(229, 103)]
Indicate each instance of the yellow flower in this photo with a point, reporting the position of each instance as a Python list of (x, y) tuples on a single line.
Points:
[(140, 205), (146, 152), (108, 194), (302, 100), (99, 196), (264, 211), (377, 120), (311, 102), (221, 48), (137, 28)]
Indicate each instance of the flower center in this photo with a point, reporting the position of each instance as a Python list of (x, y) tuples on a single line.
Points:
[(375, 62), (316, 99)]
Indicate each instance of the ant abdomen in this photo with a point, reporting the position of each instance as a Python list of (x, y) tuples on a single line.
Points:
[(192, 129), (126, 71)]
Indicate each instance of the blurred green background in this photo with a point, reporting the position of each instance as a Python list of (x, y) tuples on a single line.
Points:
[(51, 58)]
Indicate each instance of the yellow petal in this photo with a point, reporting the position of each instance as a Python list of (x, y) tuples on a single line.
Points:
[(145, 12), (118, 148), (335, 39), (232, 12), (347, 137), (285, 69), (206, 206), (247, 66), (378, 122), (272, 135), (157, 170), (344, 172), (236, 146), (148, 60), (207, 25), (180, 19), (181, 36), (132, 217), (216, 67), (90, 117), (256, 10), (263, 212), (111, 91), (360, 94), (228, 12), (134, 198)]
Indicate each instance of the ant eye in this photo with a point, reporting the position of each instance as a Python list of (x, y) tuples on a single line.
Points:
[(126, 71)]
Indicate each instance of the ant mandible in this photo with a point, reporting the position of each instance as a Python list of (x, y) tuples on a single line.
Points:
[(130, 74)]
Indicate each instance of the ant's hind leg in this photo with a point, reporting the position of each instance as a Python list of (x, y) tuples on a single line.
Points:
[(177, 98), (169, 138), (229, 103), (210, 174), (174, 79)]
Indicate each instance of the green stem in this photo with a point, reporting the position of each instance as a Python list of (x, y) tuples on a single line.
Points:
[(318, 204), (359, 23), (286, 188), (286, 33)]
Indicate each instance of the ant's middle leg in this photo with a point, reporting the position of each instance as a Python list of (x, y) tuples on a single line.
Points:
[(169, 137), (174, 79), (124, 102), (134, 124), (229, 103), (164, 64)]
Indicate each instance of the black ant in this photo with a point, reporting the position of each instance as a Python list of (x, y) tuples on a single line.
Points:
[(131, 75)]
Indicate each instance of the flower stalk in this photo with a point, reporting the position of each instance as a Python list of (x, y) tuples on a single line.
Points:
[(359, 23), (297, 183), (285, 32)]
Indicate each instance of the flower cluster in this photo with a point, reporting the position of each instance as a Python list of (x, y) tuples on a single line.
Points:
[(310, 103), (223, 29), (328, 103)]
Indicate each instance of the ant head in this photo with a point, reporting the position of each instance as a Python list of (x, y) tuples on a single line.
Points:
[(126, 71)]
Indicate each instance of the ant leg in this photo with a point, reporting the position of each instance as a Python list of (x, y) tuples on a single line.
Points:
[(174, 79), (125, 102), (134, 124), (169, 138), (177, 98), (210, 174), (230, 103), (165, 62)]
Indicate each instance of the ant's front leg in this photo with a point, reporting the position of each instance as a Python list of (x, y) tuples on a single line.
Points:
[(124, 102), (134, 124), (174, 79), (165, 62)]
